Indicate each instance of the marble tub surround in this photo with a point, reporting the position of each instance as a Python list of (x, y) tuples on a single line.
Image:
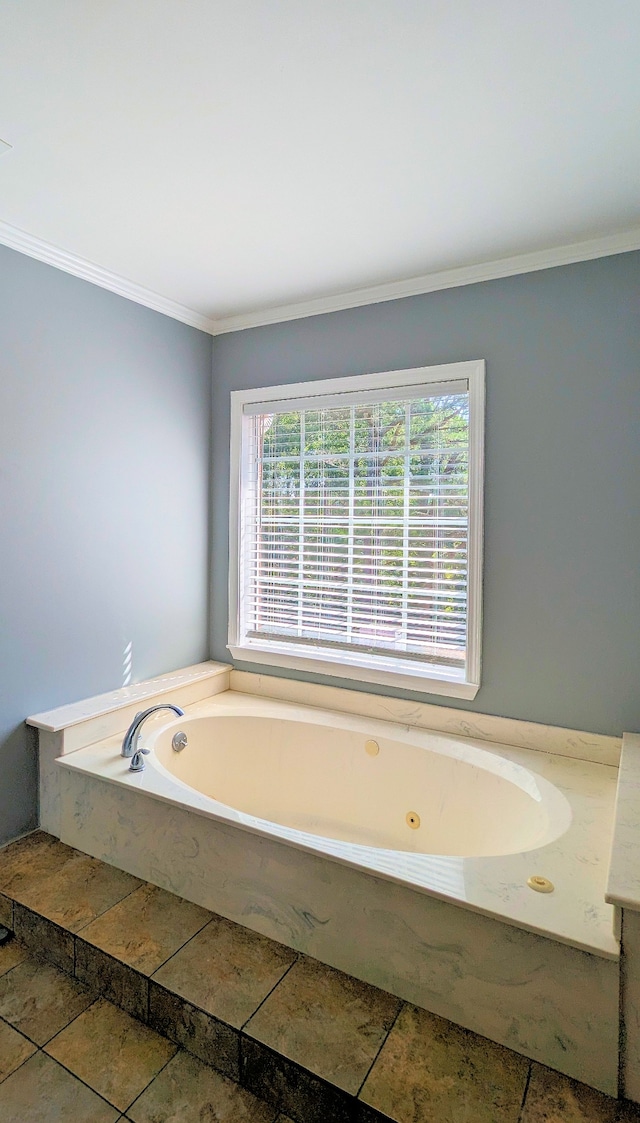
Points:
[(543, 998), (597, 747), (464, 937), (313, 1045), (575, 861), (150, 691), (67, 728)]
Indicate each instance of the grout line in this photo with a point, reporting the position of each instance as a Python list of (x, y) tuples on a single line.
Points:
[(22, 1063), (243, 1036), (30, 956), (66, 1027), (192, 937), (178, 1050), (274, 987), (400, 1009), (525, 1093), (115, 903), (81, 1081)]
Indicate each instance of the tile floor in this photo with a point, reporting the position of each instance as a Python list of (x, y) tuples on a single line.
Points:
[(153, 1010)]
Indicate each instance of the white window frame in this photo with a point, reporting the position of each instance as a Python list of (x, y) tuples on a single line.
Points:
[(352, 665)]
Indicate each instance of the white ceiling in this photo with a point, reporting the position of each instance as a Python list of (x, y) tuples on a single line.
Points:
[(236, 155)]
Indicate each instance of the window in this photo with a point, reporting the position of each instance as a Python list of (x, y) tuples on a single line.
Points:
[(356, 527)]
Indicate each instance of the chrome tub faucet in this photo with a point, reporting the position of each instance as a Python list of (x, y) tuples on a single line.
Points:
[(131, 736)]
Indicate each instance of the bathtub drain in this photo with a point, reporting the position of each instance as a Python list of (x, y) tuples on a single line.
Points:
[(413, 820)]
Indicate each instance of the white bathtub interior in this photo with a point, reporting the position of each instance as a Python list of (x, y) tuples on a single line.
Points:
[(412, 791)]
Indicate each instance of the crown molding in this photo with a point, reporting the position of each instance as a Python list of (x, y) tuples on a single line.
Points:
[(25, 243), (20, 240), (433, 282)]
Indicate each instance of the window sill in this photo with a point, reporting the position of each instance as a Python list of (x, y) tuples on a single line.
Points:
[(431, 681)]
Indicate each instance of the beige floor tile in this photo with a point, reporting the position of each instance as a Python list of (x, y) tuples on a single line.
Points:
[(430, 1069), (187, 1091), (330, 1023), (11, 954), (42, 1092), (226, 970), (80, 891), (39, 1000), (29, 860), (146, 928), (113, 1053), (554, 1098), (14, 1049)]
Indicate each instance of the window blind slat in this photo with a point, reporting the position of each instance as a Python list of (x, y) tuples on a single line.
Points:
[(356, 522)]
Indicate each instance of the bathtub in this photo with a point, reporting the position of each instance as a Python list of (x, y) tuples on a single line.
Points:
[(314, 778), (407, 858)]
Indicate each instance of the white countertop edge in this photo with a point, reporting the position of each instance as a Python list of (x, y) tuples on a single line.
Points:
[(623, 881), (52, 721)]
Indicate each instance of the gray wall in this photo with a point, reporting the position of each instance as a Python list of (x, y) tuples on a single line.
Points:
[(562, 526), (104, 499)]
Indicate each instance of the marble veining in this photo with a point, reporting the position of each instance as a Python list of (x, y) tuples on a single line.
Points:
[(536, 973), (576, 913), (576, 743), (545, 999)]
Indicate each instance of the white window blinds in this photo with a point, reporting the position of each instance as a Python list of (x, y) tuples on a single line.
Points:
[(355, 523)]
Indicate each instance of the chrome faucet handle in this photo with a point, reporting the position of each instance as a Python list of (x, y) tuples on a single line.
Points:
[(137, 760)]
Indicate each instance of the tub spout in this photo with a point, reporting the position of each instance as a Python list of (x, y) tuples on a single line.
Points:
[(130, 736)]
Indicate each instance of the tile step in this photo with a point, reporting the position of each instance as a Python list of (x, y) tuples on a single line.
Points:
[(300, 1093), (315, 1044)]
